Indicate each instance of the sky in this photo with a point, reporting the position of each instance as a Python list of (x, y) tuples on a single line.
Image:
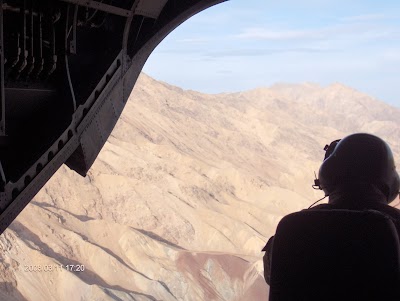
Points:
[(240, 45)]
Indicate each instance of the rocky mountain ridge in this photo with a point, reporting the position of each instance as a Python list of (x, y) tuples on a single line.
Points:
[(183, 196)]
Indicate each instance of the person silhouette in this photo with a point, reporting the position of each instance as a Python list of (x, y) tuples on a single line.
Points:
[(358, 173)]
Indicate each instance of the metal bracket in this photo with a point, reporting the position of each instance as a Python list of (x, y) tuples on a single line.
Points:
[(103, 7), (72, 43)]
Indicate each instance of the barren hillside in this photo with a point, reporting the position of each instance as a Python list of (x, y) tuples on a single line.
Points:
[(184, 195)]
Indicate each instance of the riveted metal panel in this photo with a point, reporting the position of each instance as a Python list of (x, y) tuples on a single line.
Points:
[(150, 8)]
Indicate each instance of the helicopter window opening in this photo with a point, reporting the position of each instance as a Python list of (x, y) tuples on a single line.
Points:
[(235, 46)]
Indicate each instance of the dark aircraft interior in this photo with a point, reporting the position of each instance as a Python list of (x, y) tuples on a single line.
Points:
[(67, 69)]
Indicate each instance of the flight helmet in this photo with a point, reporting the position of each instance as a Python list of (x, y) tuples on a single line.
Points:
[(359, 158)]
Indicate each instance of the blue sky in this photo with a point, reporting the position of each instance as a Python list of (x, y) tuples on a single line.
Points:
[(240, 45)]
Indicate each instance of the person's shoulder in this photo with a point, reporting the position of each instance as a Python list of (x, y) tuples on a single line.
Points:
[(322, 207), (387, 209), (381, 207)]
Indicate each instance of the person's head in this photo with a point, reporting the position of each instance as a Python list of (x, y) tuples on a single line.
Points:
[(359, 160)]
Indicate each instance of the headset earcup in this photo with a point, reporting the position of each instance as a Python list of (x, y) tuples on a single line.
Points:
[(327, 169), (326, 176)]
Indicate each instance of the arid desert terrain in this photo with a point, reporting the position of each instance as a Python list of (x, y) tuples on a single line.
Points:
[(184, 195)]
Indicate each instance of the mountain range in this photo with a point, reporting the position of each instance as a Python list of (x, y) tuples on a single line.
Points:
[(184, 195)]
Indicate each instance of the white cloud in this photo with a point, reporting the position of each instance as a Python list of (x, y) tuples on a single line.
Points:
[(349, 31), (254, 52), (365, 18), (270, 34), (195, 40), (391, 55)]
